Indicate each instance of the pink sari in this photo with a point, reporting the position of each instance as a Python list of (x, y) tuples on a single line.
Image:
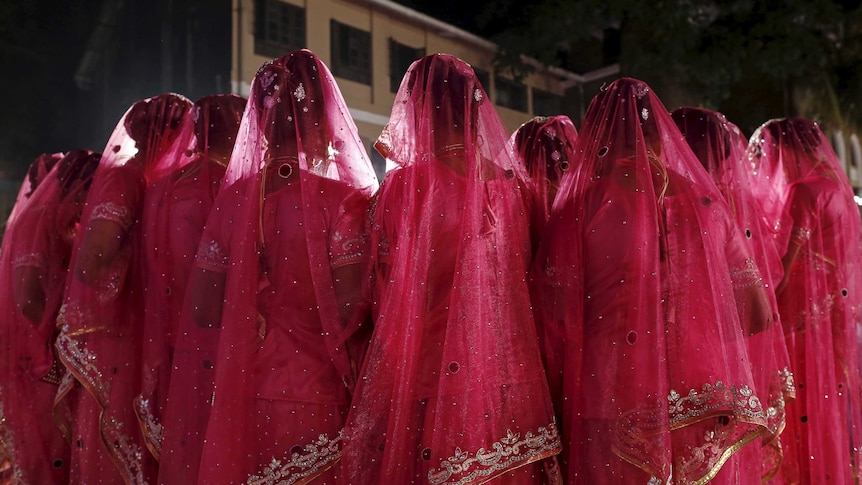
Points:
[(637, 276), (175, 212), (282, 249), (452, 389), (101, 318), (808, 204), (721, 148), (35, 257)]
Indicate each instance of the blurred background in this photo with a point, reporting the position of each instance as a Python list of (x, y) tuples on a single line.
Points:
[(68, 70)]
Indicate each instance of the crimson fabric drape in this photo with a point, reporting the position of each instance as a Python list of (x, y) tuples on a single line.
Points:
[(452, 389), (101, 319), (175, 211), (283, 245), (33, 262), (636, 279), (721, 148), (808, 206)]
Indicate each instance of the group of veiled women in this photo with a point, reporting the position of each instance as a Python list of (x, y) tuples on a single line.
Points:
[(225, 295)]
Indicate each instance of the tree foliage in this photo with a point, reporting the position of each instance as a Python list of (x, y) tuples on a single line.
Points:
[(808, 53)]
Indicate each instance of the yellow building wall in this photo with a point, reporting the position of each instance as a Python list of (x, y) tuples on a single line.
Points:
[(370, 105)]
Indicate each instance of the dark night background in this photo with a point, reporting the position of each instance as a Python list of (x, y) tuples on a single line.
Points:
[(70, 69)]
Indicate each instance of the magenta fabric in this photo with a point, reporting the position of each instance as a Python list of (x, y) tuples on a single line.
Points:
[(39, 168), (721, 148), (546, 144), (452, 389), (174, 214), (282, 249), (636, 280), (33, 262), (101, 318), (808, 204)]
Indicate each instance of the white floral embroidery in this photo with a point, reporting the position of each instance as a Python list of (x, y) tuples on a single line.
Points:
[(110, 211), (642, 90), (35, 260), (153, 430), (746, 275), (477, 95), (509, 452), (299, 93), (313, 459)]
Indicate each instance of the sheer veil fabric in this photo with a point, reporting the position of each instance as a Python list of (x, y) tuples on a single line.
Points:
[(452, 389), (179, 356), (33, 264), (546, 144), (637, 275), (100, 321), (808, 206), (284, 244), (721, 148), (175, 211), (37, 172)]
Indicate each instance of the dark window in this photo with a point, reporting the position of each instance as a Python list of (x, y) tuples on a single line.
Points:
[(510, 94), (278, 28), (377, 160), (546, 104), (484, 78), (351, 52), (400, 58)]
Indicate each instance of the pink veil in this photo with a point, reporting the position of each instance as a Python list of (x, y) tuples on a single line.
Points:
[(452, 388), (297, 156), (546, 144), (174, 214), (101, 318), (184, 384), (35, 256), (721, 148), (646, 352), (808, 203), (39, 168)]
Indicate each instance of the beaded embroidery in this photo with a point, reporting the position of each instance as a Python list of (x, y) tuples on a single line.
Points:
[(509, 452), (35, 260), (153, 430), (212, 256), (746, 275), (314, 458), (110, 211)]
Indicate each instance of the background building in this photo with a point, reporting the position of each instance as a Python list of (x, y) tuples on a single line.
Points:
[(369, 44)]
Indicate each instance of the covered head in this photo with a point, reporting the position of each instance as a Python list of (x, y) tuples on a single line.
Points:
[(297, 115), (784, 152), (717, 143), (441, 107), (154, 126), (217, 119), (546, 144), (40, 168)]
